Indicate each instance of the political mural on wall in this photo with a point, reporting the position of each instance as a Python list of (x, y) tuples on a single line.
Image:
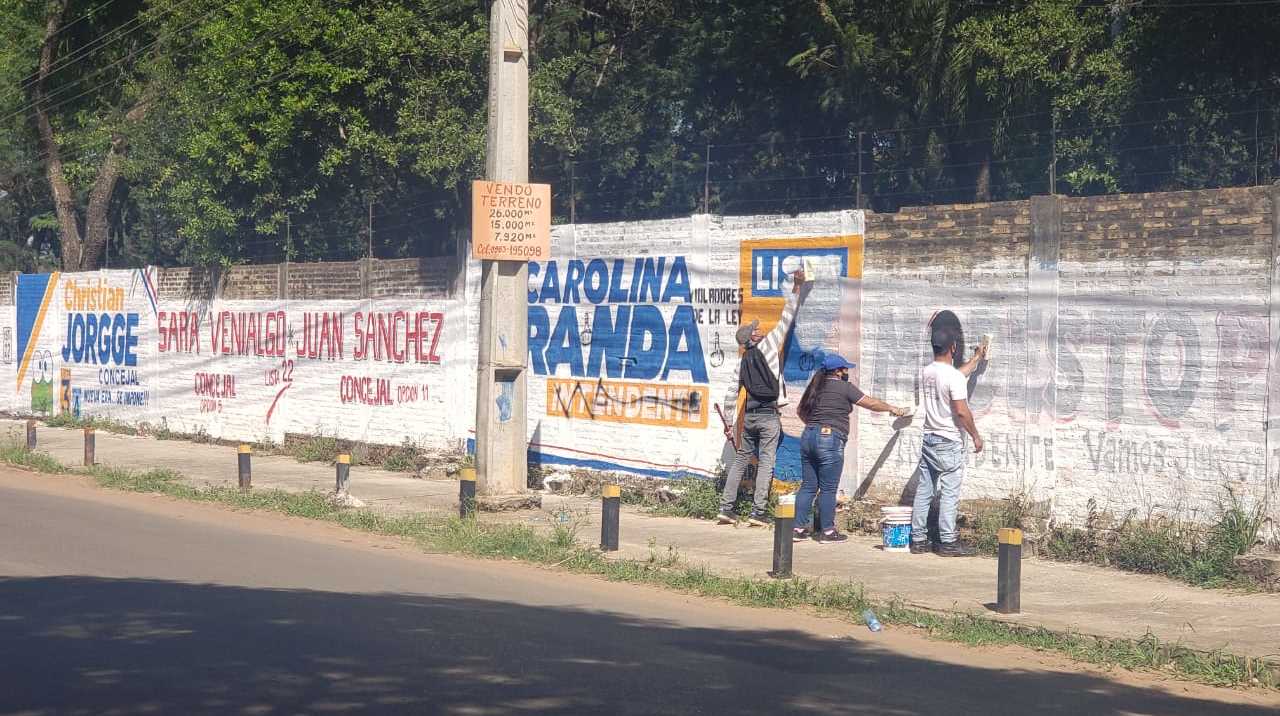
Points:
[(828, 320), (630, 356), (614, 341), (83, 343), (103, 344)]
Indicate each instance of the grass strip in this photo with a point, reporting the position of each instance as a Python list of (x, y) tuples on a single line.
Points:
[(558, 547)]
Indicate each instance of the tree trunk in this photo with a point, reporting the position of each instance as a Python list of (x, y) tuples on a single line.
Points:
[(64, 200), (81, 249), (97, 215)]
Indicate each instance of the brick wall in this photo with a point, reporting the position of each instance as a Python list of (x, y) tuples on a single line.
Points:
[(1163, 333), (1131, 366), (1130, 362)]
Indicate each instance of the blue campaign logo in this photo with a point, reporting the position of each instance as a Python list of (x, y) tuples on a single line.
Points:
[(769, 267)]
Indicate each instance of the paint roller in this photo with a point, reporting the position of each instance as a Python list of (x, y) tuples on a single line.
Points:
[(820, 267)]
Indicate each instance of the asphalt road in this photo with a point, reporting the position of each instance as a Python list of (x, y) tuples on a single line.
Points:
[(124, 604)]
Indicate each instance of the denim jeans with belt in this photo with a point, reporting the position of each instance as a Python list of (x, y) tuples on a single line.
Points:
[(821, 462), (941, 462)]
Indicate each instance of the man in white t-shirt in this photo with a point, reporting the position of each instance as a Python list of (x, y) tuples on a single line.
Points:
[(944, 393)]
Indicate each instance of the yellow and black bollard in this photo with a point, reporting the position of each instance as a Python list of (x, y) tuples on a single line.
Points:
[(610, 511), (1009, 572), (90, 438), (344, 473), (467, 492), (244, 471), (784, 517), (31, 434)]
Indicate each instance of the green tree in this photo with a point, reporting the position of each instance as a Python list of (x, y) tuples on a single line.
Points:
[(82, 98), (287, 119), (1060, 59)]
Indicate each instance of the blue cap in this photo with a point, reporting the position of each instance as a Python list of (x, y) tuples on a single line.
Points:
[(834, 362)]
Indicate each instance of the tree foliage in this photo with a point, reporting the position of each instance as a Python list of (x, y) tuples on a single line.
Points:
[(209, 131)]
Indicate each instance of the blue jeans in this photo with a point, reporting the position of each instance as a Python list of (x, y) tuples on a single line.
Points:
[(941, 470), (821, 462)]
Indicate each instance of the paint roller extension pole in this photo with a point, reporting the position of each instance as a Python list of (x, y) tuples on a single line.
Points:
[(610, 512), (784, 517), (1009, 572), (244, 470)]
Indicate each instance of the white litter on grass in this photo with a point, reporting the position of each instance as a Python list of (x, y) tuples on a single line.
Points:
[(344, 499)]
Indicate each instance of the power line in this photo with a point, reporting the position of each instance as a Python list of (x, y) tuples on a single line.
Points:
[(26, 82), (283, 73), (94, 47), (93, 11), (33, 104), (1223, 4)]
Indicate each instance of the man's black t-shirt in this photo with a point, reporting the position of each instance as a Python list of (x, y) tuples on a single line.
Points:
[(757, 376), (834, 402)]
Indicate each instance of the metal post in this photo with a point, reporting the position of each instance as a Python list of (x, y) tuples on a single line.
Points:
[(467, 493), (860, 169), (371, 229), (1257, 147), (1053, 149), (706, 182), (573, 192), (1009, 572), (89, 445), (610, 511), (244, 470), (501, 447), (31, 434), (344, 474), (784, 517)]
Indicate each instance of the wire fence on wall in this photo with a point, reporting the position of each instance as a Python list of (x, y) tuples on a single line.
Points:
[(1163, 143), (878, 170)]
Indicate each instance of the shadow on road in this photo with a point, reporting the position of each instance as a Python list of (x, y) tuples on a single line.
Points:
[(73, 644)]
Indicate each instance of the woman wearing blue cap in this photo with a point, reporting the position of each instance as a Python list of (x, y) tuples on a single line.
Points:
[(825, 407)]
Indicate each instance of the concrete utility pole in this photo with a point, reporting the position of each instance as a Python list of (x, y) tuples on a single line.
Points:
[(501, 459)]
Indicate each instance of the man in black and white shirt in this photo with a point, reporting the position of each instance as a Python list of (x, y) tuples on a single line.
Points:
[(760, 376)]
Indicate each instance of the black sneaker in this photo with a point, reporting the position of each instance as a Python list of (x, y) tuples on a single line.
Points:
[(800, 535), (954, 549), (756, 520), (831, 537), (924, 547)]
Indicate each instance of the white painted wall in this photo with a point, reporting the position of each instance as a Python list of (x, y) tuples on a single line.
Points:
[(1161, 367)]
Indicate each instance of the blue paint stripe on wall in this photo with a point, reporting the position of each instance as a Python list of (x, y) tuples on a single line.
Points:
[(31, 290), (536, 457)]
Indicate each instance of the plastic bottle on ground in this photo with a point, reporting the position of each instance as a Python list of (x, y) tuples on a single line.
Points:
[(870, 618)]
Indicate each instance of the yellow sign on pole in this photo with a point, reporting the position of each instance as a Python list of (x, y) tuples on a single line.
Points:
[(510, 222)]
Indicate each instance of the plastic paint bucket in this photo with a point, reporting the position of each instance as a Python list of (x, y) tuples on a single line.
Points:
[(895, 528)]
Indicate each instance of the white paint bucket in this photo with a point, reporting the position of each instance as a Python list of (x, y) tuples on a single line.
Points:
[(895, 528)]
